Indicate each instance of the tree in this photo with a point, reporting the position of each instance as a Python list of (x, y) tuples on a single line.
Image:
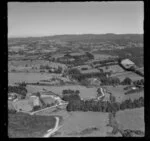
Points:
[(127, 81), (23, 84), (74, 73), (35, 108), (59, 70), (89, 55), (77, 92)]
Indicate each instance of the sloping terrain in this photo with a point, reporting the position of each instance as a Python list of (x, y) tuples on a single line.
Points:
[(24, 125), (80, 124)]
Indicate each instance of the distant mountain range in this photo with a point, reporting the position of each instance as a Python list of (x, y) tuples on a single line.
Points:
[(83, 37)]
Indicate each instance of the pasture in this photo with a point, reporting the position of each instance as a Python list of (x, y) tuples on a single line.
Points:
[(80, 124), (131, 119), (29, 77), (85, 93)]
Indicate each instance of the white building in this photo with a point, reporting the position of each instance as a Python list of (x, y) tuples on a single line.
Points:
[(34, 101), (126, 63)]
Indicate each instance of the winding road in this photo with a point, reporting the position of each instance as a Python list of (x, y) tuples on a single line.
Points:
[(102, 91), (51, 131)]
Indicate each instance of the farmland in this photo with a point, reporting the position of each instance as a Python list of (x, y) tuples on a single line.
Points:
[(23, 125), (28, 77), (78, 78), (131, 119), (76, 125)]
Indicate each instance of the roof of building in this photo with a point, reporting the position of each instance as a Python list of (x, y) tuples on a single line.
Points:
[(127, 61)]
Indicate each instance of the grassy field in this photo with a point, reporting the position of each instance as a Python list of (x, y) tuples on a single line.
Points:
[(132, 76), (86, 93), (24, 125), (119, 91), (84, 124), (131, 119), (122, 75), (102, 56), (28, 77), (133, 96), (113, 68)]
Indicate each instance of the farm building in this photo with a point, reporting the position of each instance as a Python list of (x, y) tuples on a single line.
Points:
[(34, 101), (126, 63)]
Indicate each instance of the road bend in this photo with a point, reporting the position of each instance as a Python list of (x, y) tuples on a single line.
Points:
[(52, 131)]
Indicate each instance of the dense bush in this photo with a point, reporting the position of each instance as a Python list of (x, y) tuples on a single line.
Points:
[(36, 108), (11, 111), (89, 55), (76, 104), (64, 92), (70, 98), (18, 89), (126, 81), (139, 82), (23, 84), (110, 81)]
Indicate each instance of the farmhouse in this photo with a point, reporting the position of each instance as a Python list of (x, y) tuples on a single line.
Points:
[(126, 63), (34, 101)]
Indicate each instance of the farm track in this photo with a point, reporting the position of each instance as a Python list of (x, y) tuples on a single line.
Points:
[(52, 131)]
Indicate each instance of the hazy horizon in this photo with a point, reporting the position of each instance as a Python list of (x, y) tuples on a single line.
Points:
[(38, 19)]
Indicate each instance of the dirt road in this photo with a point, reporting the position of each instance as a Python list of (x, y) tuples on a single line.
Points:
[(51, 131)]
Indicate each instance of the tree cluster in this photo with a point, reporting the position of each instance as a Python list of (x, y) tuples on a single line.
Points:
[(139, 82), (105, 62), (66, 92), (126, 81), (18, 89), (70, 97), (110, 81), (76, 104)]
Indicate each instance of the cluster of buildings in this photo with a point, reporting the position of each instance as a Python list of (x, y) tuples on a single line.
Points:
[(47, 99)]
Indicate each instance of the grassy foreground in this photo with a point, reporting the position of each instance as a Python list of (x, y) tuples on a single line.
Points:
[(24, 125)]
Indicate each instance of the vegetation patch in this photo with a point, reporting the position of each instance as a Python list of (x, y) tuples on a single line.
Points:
[(24, 125)]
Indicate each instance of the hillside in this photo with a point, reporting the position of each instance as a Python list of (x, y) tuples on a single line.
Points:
[(82, 37)]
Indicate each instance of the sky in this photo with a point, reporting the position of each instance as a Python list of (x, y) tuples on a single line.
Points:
[(55, 18)]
